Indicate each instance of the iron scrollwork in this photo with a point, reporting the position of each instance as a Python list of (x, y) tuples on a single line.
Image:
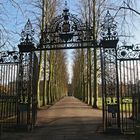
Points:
[(128, 52), (110, 83), (108, 27), (108, 32), (63, 26), (66, 28), (24, 77), (9, 57), (27, 38), (25, 47)]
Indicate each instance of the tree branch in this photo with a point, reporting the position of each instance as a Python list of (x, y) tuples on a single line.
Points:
[(130, 8)]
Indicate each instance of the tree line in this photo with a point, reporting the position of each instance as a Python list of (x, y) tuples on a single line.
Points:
[(53, 76)]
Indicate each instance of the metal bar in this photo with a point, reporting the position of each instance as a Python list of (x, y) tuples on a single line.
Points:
[(138, 86), (103, 101), (117, 90), (127, 112), (63, 48), (4, 81), (124, 73), (69, 42), (121, 92)]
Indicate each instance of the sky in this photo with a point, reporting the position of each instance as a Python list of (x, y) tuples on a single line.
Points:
[(72, 7), (15, 18)]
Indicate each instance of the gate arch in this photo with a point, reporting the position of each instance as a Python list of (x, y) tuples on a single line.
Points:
[(66, 29)]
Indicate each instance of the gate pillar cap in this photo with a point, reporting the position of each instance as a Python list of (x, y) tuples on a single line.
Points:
[(23, 47), (26, 41)]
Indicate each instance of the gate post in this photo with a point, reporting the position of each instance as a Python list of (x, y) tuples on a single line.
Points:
[(110, 81), (0, 129), (25, 85)]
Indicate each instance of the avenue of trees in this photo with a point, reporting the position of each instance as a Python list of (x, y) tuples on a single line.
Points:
[(53, 75), (86, 80)]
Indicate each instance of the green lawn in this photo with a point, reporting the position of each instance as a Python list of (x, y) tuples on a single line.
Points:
[(125, 103)]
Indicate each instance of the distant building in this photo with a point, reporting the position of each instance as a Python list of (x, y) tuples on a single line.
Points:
[(70, 93)]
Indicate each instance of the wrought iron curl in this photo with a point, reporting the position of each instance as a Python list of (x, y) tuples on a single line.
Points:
[(128, 52), (109, 27), (9, 57), (66, 28), (110, 55), (27, 38), (56, 27)]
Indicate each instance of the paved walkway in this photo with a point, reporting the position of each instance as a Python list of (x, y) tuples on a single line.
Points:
[(68, 119)]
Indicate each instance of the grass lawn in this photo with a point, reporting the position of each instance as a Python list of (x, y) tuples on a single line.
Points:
[(125, 103)]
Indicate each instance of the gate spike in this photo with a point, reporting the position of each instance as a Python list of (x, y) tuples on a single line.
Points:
[(66, 3)]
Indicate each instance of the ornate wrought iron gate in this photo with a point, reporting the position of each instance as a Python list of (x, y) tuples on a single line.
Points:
[(128, 58), (27, 89), (18, 90), (110, 81), (27, 79), (120, 81), (63, 29), (8, 87), (120, 69)]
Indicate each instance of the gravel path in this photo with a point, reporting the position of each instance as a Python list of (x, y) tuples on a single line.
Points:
[(68, 119)]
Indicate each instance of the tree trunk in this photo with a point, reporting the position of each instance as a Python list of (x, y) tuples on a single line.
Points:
[(95, 96), (45, 81), (41, 57)]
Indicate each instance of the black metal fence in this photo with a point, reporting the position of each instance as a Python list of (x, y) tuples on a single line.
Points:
[(18, 90), (110, 90), (121, 88), (120, 69), (120, 80), (27, 90), (8, 88), (129, 85)]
